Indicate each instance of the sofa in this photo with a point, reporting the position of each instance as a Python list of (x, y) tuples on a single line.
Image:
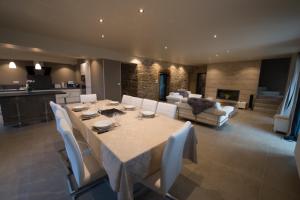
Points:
[(175, 97), (215, 116)]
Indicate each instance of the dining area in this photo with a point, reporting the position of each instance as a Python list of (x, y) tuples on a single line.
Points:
[(135, 141)]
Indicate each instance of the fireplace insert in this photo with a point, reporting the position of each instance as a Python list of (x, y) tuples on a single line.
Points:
[(232, 95)]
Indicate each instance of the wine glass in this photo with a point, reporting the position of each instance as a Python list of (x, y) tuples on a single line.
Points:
[(116, 117)]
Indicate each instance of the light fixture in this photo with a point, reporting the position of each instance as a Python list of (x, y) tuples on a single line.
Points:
[(217, 55), (141, 10), (37, 66), (101, 20), (102, 35), (136, 61), (215, 36), (227, 51), (12, 65), (166, 47)]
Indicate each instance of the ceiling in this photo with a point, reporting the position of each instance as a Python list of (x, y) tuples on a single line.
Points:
[(245, 29)]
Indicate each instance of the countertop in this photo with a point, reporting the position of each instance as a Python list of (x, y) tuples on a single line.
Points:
[(15, 93)]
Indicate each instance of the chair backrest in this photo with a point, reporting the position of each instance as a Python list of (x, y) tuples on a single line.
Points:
[(149, 105), (88, 98), (53, 106), (73, 151), (167, 109), (56, 107), (136, 101), (126, 99), (172, 157)]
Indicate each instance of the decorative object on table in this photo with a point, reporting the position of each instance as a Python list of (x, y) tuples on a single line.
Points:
[(116, 119), (28, 86), (79, 108), (129, 107), (89, 114), (110, 112), (148, 114), (103, 126), (113, 103)]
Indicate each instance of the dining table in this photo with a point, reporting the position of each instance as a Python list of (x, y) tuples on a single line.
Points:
[(133, 148)]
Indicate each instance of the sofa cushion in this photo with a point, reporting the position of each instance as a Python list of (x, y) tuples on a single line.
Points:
[(199, 96)]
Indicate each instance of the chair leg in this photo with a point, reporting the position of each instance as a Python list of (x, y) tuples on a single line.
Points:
[(168, 196), (64, 161), (76, 192)]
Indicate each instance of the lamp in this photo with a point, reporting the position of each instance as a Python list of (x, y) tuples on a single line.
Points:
[(37, 66), (12, 65)]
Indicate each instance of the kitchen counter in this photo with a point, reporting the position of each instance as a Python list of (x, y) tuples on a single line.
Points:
[(15, 93), (21, 107)]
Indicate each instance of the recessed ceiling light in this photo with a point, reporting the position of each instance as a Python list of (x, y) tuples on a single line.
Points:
[(166, 47), (141, 10), (101, 20), (217, 55), (227, 51), (215, 36), (102, 35)]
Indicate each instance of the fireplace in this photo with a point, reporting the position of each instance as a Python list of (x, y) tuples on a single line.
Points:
[(232, 95)]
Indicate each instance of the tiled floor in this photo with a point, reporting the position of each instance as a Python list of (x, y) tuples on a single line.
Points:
[(242, 160)]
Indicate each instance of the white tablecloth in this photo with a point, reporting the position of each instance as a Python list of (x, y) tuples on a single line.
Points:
[(134, 148)]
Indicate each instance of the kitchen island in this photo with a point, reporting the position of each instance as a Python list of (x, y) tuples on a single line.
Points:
[(21, 107)]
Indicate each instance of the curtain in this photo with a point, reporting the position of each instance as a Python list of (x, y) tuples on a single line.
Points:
[(295, 129), (291, 104), (290, 97)]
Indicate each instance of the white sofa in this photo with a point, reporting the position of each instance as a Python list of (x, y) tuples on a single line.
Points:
[(215, 116), (175, 97)]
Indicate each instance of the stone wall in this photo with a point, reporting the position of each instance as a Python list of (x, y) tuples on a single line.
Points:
[(143, 79), (243, 76)]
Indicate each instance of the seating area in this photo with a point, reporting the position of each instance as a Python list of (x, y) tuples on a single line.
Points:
[(82, 166), (149, 100)]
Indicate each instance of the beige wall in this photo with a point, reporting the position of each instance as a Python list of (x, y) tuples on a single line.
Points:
[(97, 80), (243, 76), (7, 76), (59, 72), (62, 73)]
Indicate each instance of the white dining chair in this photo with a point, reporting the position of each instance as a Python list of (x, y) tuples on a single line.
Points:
[(167, 109), (86, 171), (171, 163), (136, 101), (88, 98), (149, 105), (126, 99), (56, 107)]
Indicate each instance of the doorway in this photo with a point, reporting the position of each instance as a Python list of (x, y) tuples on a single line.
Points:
[(163, 86), (201, 80)]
